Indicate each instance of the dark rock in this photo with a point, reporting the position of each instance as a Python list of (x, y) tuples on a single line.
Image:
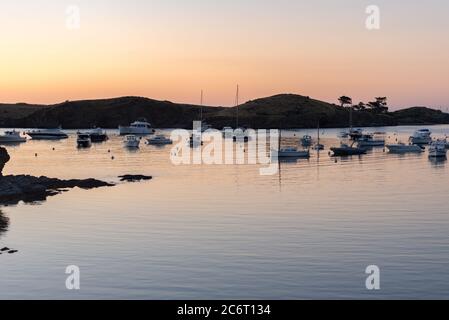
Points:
[(4, 158), (5, 249), (13, 251), (14, 189), (29, 189), (134, 178)]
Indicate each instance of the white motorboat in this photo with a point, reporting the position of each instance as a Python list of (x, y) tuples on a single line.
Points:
[(141, 127), (306, 141), (368, 140), (404, 148), (83, 140), (47, 134), (227, 131), (131, 141), (438, 149), (291, 153), (421, 136), (159, 140), (12, 137)]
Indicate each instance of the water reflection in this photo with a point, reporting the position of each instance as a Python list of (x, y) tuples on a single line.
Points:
[(4, 223), (439, 162)]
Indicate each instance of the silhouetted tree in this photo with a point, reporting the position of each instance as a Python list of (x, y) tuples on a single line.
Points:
[(379, 106), (361, 106), (344, 100)]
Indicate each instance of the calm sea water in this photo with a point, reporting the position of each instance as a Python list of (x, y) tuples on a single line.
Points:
[(226, 232)]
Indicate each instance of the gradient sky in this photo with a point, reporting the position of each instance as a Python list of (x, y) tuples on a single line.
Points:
[(171, 49)]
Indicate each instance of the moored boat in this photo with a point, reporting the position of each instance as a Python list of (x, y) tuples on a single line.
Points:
[(98, 135), (346, 150), (368, 140), (421, 136), (141, 127), (131, 141), (404, 148), (12, 137), (47, 134), (355, 134), (159, 140), (291, 153), (306, 141), (438, 149), (83, 140)]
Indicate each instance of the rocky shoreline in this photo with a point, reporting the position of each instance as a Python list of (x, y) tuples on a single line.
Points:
[(16, 188)]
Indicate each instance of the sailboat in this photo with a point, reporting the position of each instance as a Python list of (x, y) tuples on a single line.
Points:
[(240, 134), (196, 138), (319, 146)]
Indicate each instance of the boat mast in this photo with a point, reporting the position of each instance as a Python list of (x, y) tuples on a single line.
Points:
[(318, 131), (201, 110), (350, 118), (237, 105)]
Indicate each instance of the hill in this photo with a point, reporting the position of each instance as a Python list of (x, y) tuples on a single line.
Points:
[(285, 111)]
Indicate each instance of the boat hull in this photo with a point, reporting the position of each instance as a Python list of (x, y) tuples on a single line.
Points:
[(342, 152), (404, 149), (132, 145), (371, 143), (84, 144), (159, 143), (135, 131), (12, 140), (291, 154), (98, 137), (46, 136), (421, 140)]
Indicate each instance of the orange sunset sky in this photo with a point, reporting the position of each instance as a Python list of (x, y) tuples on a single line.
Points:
[(171, 50)]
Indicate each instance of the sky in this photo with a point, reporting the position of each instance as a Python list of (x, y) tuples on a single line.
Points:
[(173, 49)]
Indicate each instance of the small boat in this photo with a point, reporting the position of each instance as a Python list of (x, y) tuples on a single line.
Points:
[(438, 149), (227, 131), (346, 150), (141, 127), (131, 141), (343, 134), (205, 126), (12, 137), (47, 134), (240, 135), (292, 153), (404, 148), (159, 140), (195, 141), (306, 141), (368, 140), (98, 135), (421, 136), (83, 140), (355, 134)]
